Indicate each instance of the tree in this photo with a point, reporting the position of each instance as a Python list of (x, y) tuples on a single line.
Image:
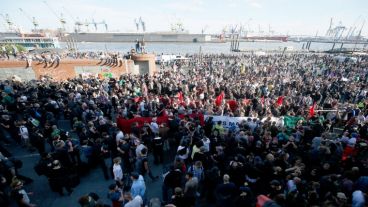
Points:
[(9, 48)]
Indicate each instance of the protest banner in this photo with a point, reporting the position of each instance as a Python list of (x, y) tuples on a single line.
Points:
[(126, 124), (234, 122)]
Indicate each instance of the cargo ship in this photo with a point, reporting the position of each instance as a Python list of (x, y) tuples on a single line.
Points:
[(132, 37), (126, 37), (279, 38)]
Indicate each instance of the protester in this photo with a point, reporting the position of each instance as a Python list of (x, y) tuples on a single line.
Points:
[(136, 201), (116, 196), (172, 180), (226, 192), (138, 185), (20, 195), (118, 172), (59, 178), (191, 189), (143, 167)]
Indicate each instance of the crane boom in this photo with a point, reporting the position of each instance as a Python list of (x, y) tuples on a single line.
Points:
[(77, 23), (360, 31), (60, 18), (8, 21), (33, 19)]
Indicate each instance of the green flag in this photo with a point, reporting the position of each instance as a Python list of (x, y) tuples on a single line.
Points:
[(291, 121)]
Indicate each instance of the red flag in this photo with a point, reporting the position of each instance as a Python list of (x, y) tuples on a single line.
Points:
[(219, 99), (311, 110), (280, 100), (180, 97)]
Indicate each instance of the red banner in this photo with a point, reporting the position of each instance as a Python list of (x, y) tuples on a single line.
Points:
[(126, 124)]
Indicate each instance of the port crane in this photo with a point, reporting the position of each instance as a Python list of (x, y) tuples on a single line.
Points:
[(11, 25), (236, 32), (103, 22), (328, 33), (177, 27), (136, 24), (143, 24), (77, 23), (360, 31), (33, 19), (351, 32), (140, 23), (8, 21), (270, 31), (260, 31), (204, 29), (335, 32), (60, 17), (95, 24)]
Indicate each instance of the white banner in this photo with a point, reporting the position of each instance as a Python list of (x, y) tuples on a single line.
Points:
[(230, 122)]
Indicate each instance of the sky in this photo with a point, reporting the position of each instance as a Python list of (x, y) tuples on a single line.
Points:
[(291, 17)]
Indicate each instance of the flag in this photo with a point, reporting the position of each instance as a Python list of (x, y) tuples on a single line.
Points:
[(280, 100), (311, 110), (180, 97), (219, 99), (291, 121)]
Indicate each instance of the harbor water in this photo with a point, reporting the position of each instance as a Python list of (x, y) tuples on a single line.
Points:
[(190, 48)]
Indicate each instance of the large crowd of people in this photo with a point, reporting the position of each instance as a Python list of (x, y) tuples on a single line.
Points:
[(320, 160)]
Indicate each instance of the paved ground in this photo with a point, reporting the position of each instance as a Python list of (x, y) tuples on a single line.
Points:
[(92, 182)]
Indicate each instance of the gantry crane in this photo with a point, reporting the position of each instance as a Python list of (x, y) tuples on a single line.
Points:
[(204, 29), (103, 22), (328, 32), (143, 24), (136, 24), (140, 23), (60, 17), (33, 19), (78, 24), (177, 27), (8, 21)]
